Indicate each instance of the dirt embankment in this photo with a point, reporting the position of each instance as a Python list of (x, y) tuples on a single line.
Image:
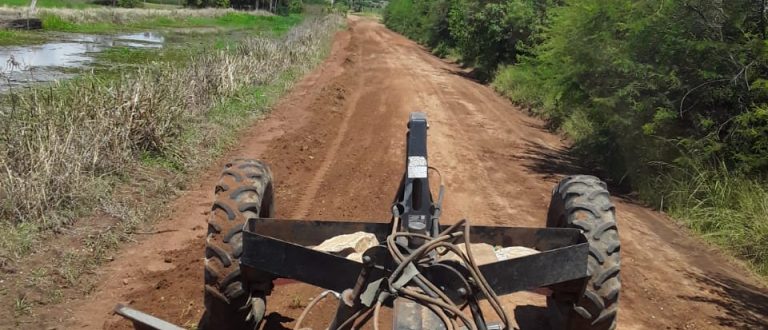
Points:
[(336, 143)]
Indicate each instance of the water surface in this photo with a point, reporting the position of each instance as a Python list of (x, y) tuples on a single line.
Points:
[(21, 65)]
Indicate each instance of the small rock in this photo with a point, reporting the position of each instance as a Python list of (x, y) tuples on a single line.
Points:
[(125, 281), (349, 243), (514, 252), (485, 253), (356, 256), (482, 252), (168, 260)]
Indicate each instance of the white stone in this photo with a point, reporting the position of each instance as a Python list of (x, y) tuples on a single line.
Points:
[(514, 252), (486, 253), (347, 244), (482, 252), (356, 256)]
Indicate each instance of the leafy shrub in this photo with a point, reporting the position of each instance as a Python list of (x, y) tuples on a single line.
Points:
[(208, 3), (295, 6), (634, 83), (130, 3)]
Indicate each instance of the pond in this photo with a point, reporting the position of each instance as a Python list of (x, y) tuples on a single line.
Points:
[(22, 65)]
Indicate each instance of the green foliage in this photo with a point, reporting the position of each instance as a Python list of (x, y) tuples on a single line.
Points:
[(652, 73), (130, 3), (295, 6), (484, 34), (634, 84), (208, 3), (491, 33)]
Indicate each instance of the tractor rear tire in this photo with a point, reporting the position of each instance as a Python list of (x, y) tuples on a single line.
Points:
[(583, 202), (244, 191)]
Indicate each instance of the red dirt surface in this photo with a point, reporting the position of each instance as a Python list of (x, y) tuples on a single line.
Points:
[(336, 143)]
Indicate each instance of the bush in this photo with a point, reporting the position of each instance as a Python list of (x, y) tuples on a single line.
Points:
[(295, 6), (208, 3), (130, 3), (640, 85)]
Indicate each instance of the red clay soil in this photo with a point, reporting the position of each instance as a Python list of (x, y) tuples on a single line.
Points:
[(336, 144)]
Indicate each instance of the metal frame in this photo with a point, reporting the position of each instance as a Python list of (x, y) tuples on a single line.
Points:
[(271, 247)]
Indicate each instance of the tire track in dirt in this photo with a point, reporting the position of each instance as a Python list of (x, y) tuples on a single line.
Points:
[(312, 187), (336, 144)]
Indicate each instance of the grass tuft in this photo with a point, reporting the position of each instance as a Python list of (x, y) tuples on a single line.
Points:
[(726, 209)]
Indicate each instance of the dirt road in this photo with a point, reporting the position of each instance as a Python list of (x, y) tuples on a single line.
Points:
[(336, 147)]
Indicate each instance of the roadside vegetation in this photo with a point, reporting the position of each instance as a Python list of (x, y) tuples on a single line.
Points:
[(666, 98), (102, 20), (116, 143), (49, 3)]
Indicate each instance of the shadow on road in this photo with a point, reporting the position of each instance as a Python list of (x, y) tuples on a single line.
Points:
[(275, 321), (744, 305), (554, 163), (551, 162)]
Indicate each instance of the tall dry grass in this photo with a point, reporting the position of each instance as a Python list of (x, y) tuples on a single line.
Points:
[(61, 146)]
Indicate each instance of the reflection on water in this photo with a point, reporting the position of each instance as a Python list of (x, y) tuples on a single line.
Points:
[(35, 63)]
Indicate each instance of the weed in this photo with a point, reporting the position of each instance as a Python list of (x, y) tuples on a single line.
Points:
[(38, 278), (18, 239), (69, 267), (296, 303), (56, 296), (22, 306)]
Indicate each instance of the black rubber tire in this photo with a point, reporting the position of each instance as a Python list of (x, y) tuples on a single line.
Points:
[(244, 191), (583, 202)]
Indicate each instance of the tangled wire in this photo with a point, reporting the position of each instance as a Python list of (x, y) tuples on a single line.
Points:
[(425, 293)]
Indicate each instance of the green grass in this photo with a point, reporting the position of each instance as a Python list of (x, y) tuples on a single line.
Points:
[(13, 37), (726, 209), (18, 240), (230, 21), (172, 53), (243, 21), (49, 3)]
